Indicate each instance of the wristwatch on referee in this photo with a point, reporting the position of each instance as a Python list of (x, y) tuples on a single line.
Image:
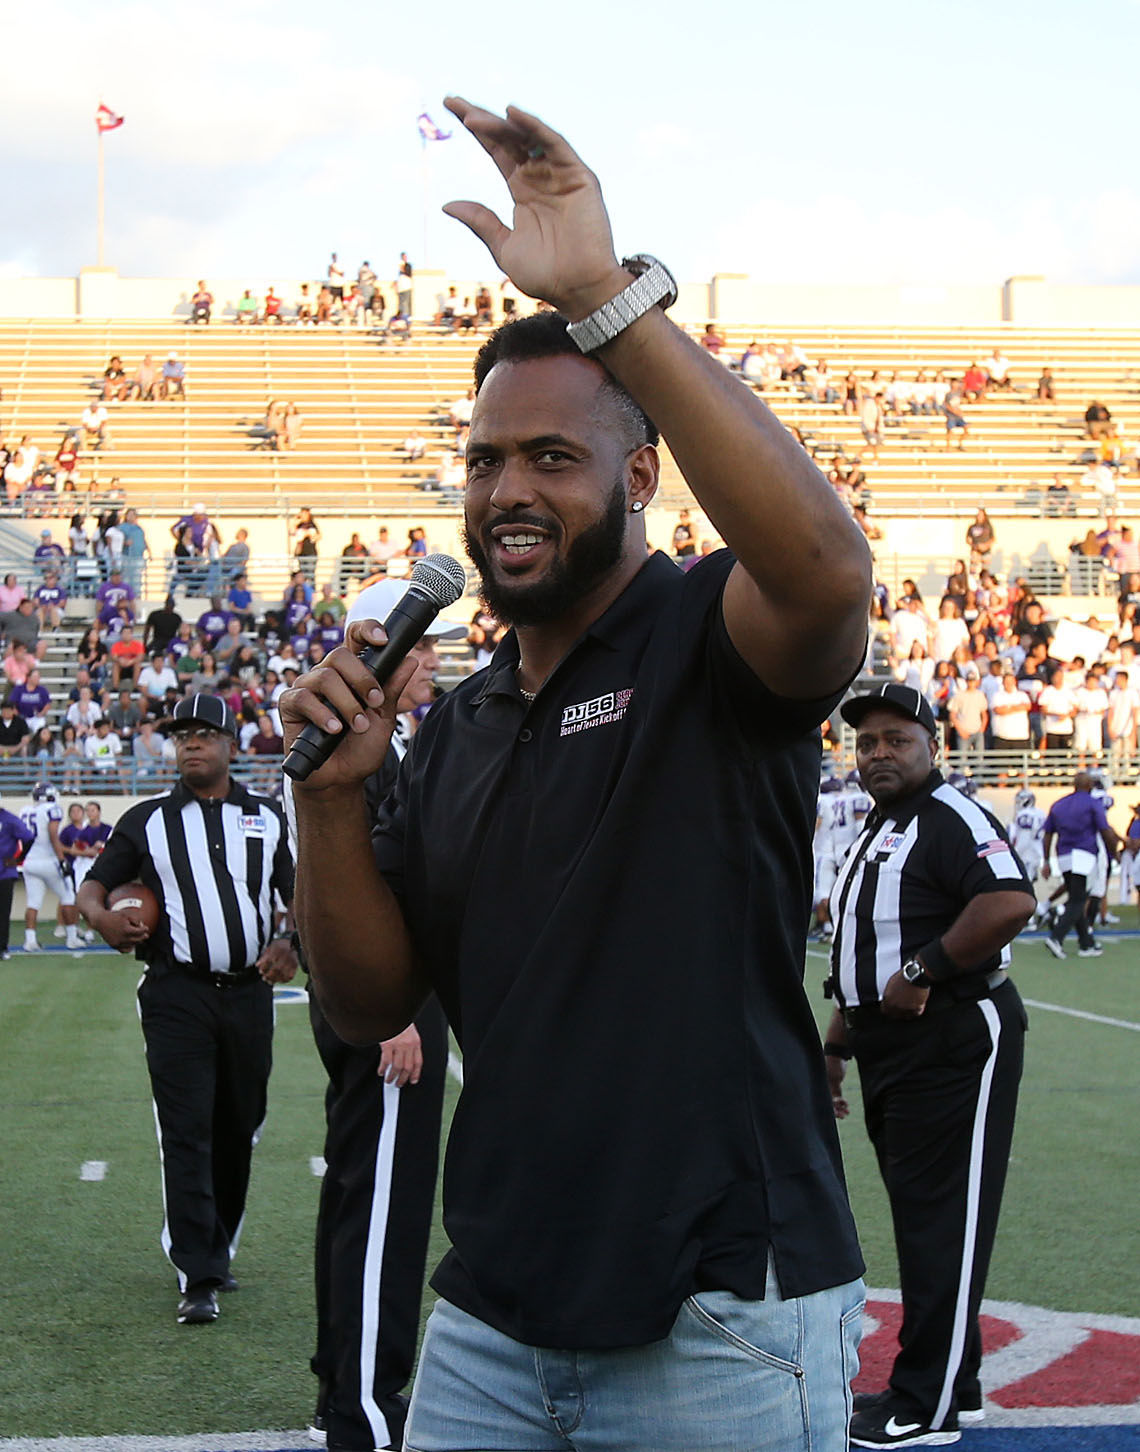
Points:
[(914, 972), (653, 284)]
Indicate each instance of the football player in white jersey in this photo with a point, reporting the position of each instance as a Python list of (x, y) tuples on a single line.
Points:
[(859, 805), (1026, 831), (830, 809), (44, 867)]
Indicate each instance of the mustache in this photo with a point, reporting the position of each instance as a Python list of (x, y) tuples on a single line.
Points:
[(521, 519)]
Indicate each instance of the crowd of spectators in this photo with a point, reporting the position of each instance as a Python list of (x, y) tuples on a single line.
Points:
[(998, 672)]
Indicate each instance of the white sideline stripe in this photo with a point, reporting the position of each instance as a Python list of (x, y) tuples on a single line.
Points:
[(973, 1202), (375, 1242), (318, 1166), (455, 1067), (1080, 1013), (93, 1170)]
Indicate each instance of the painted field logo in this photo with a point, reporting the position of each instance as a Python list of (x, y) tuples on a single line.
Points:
[(601, 711), (1039, 1367)]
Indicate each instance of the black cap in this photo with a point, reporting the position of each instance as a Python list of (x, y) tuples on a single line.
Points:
[(200, 710), (905, 700)]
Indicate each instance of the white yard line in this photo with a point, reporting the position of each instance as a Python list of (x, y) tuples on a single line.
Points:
[(1123, 1023), (93, 1170)]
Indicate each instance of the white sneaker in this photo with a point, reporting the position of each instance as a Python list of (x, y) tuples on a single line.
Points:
[(1110, 918), (31, 945), (1054, 947), (1096, 951), (89, 935), (60, 931)]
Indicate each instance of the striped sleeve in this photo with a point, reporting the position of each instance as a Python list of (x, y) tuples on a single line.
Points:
[(983, 860)]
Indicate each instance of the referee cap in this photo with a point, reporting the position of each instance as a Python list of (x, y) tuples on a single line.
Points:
[(200, 710), (376, 602), (904, 700)]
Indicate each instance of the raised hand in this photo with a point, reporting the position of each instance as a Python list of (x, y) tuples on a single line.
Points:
[(560, 248)]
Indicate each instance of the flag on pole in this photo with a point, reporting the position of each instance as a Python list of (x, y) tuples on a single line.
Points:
[(429, 131), (106, 120)]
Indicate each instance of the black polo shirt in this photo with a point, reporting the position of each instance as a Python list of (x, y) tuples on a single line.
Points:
[(609, 889), (906, 879)]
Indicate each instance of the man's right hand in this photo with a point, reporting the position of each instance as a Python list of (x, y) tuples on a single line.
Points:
[(343, 683)]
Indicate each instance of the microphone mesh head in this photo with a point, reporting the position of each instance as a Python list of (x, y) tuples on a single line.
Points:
[(441, 578)]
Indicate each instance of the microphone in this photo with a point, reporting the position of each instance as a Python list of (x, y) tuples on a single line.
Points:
[(436, 581)]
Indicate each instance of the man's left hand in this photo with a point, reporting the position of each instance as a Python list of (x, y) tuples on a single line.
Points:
[(279, 962), (561, 248), (902, 999)]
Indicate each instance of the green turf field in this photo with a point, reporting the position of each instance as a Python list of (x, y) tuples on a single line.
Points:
[(88, 1340)]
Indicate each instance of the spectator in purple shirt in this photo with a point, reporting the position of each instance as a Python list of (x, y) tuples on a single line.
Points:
[(50, 599), (212, 622), (328, 632), (198, 523), (32, 700), (296, 610), (47, 553), (1076, 823), (111, 595)]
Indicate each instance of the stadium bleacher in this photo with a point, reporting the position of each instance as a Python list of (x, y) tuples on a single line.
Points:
[(361, 393)]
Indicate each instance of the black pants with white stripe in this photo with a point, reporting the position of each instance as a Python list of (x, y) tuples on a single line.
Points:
[(377, 1198), (209, 1051), (940, 1096)]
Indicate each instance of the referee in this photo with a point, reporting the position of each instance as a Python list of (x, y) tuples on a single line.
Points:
[(925, 907), (214, 854)]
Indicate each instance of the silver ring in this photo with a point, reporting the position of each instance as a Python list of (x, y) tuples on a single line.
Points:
[(536, 152)]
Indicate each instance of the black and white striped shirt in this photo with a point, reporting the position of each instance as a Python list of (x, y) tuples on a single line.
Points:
[(907, 877), (214, 865)]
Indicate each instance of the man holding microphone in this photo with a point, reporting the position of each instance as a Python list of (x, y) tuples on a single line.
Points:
[(652, 1245)]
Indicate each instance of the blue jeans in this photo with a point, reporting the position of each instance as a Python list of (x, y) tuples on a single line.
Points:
[(731, 1376)]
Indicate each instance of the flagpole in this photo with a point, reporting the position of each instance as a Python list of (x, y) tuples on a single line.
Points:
[(424, 199), (99, 209)]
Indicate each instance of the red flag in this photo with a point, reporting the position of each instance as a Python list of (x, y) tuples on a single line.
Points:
[(105, 119)]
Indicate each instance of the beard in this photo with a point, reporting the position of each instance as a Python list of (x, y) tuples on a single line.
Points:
[(587, 562)]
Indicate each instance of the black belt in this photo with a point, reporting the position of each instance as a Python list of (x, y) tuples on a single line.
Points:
[(217, 980), (943, 995)]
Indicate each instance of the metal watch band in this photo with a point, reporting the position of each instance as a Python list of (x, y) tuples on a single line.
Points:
[(654, 284)]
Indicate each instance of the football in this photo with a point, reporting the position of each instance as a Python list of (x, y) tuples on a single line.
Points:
[(138, 896)]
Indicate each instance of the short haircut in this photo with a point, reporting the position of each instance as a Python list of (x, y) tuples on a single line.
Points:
[(544, 335)]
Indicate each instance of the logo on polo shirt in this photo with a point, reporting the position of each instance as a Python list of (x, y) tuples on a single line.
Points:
[(255, 825), (892, 841), (601, 711)]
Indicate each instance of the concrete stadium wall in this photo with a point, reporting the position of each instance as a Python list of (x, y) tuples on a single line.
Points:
[(733, 297)]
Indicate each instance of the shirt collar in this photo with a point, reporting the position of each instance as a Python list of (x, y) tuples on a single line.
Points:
[(637, 606), (180, 794), (902, 811)]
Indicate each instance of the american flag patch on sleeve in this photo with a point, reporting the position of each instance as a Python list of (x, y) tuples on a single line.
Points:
[(988, 849)]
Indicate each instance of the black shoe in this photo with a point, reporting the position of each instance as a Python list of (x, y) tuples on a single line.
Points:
[(888, 1424), (229, 1285), (198, 1305), (970, 1407)]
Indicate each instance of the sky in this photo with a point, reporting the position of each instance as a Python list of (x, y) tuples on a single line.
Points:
[(918, 144)]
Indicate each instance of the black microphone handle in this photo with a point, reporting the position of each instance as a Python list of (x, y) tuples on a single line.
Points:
[(407, 622)]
